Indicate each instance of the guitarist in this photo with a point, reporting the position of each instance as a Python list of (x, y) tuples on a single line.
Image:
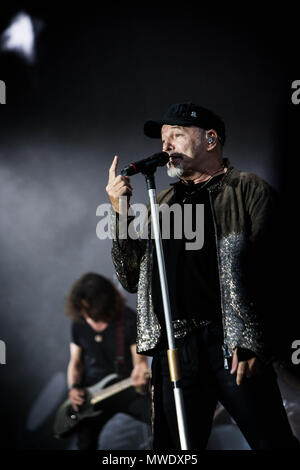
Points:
[(103, 341)]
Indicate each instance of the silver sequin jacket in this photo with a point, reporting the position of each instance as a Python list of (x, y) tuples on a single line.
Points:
[(242, 205)]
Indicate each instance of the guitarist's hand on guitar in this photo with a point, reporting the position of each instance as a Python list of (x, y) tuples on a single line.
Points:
[(76, 396), (140, 378)]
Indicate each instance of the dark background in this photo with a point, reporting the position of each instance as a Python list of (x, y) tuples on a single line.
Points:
[(99, 74)]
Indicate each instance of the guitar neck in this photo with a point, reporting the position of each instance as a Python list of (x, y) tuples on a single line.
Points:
[(111, 390)]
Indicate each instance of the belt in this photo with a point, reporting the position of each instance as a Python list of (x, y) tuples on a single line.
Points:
[(187, 325)]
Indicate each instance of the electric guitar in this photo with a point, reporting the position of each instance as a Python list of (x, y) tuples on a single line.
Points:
[(67, 419)]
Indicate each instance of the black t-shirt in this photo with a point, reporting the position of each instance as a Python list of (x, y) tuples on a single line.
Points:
[(192, 274), (100, 348)]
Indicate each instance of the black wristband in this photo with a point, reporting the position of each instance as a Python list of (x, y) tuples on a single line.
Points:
[(244, 354), (74, 386)]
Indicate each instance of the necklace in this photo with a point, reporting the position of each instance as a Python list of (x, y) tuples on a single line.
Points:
[(98, 338), (205, 183)]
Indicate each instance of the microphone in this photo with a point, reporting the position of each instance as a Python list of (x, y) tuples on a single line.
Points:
[(150, 163)]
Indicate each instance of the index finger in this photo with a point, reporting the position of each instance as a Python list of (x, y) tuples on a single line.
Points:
[(113, 168)]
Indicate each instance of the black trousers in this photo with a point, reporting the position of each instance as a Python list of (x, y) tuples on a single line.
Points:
[(128, 401), (255, 405)]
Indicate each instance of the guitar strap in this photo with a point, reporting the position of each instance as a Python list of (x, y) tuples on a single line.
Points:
[(120, 360)]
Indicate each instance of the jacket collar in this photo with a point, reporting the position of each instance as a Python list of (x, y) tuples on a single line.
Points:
[(230, 179), (219, 182)]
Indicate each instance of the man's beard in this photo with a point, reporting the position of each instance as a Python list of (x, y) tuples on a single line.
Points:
[(175, 171)]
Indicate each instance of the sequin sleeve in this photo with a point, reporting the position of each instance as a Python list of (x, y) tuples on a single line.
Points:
[(127, 254)]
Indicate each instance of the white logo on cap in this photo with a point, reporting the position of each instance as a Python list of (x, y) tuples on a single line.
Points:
[(193, 114)]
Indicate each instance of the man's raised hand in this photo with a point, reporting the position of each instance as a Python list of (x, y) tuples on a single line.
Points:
[(118, 186)]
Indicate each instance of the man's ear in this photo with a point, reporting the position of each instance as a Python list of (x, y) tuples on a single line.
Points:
[(211, 137)]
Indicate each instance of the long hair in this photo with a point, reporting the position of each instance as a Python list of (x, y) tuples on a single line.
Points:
[(101, 296)]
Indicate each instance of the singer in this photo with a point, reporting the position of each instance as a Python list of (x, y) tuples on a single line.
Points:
[(222, 295)]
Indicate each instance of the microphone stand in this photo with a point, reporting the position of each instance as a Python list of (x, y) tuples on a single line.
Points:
[(173, 358)]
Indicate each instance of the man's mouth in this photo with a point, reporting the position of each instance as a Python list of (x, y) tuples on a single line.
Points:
[(174, 159)]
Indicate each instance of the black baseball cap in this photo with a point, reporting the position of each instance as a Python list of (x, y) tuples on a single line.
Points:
[(187, 114)]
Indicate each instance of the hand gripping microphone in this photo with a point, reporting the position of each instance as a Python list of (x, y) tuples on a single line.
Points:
[(148, 164)]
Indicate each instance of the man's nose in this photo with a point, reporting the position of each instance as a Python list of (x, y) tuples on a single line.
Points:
[(167, 146)]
